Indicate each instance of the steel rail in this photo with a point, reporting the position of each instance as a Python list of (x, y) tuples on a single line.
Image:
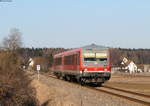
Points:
[(126, 91), (122, 96)]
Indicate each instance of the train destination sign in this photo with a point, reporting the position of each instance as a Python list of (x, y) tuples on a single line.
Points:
[(89, 54), (97, 55), (101, 55)]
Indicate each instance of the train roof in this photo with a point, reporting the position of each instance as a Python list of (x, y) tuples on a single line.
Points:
[(94, 47), (87, 47), (67, 52)]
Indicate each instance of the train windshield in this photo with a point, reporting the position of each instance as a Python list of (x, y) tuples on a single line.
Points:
[(95, 59), (102, 59), (90, 59)]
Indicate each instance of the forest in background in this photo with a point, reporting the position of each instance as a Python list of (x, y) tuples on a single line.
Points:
[(139, 56)]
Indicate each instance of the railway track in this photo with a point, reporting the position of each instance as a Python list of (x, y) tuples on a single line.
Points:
[(134, 75), (131, 92), (129, 95)]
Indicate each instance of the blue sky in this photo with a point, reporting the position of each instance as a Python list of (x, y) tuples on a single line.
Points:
[(75, 23)]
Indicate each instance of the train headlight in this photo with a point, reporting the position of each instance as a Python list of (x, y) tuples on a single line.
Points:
[(105, 69), (85, 69)]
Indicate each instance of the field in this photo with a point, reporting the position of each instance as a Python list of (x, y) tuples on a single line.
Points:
[(139, 82)]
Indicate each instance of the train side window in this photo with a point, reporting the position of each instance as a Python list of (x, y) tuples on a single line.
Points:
[(76, 59), (58, 61), (73, 59), (67, 60)]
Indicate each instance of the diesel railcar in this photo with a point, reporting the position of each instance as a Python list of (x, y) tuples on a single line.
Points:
[(88, 64)]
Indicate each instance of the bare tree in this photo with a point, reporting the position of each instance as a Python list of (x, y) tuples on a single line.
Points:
[(15, 89), (14, 40)]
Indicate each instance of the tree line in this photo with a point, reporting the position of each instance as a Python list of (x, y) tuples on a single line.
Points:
[(139, 56), (45, 53)]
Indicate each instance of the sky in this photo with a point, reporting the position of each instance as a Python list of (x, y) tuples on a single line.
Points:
[(75, 23)]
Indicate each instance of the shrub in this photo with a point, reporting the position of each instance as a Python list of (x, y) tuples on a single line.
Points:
[(15, 89)]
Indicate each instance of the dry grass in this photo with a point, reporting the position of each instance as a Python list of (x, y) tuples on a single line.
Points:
[(15, 89)]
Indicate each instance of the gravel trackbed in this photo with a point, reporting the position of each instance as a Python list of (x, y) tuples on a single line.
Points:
[(54, 92)]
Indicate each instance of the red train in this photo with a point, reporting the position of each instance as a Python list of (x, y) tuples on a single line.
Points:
[(89, 64)]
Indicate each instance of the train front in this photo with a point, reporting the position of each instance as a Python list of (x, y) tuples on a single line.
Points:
[(95, 65)]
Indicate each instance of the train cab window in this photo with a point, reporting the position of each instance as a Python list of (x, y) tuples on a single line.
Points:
[(101, 59), (72, 59), (90, 59)]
